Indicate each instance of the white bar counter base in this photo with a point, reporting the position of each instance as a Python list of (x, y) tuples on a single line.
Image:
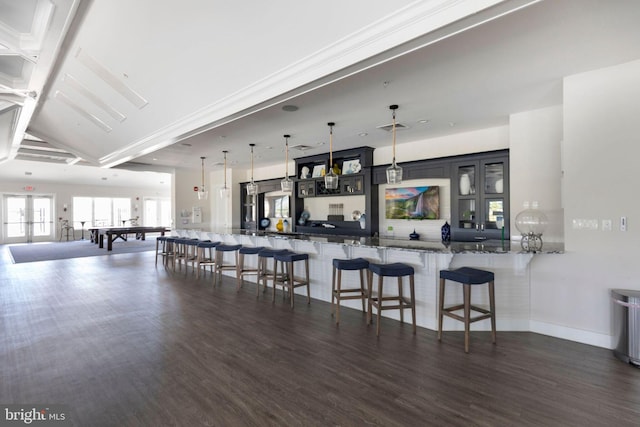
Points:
[(509, 263)]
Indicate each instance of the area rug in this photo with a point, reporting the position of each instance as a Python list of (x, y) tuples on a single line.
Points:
[(46, 251)]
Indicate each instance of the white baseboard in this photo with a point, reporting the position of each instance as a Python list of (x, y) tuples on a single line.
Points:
[(571, 334)]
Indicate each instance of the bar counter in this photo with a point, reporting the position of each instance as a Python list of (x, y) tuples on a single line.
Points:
[(509, 262)]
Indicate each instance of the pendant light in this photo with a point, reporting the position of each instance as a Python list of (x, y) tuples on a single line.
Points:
[(203, 194), (330, 178), (252, 187), (286, 183), (224, 191), (394, 172)]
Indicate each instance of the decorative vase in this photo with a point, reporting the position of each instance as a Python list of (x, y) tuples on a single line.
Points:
[(465, 184), (499, 186), (414, 235), (445, 232), (280, 225), (363, 221), (285, 226)]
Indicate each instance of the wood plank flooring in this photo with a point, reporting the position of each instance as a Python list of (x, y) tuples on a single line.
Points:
[(123, 343)]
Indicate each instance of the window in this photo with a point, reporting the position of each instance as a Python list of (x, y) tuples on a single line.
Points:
[(157, 212), (101, 211)]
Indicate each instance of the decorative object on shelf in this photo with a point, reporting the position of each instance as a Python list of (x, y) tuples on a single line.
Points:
[(500, 225), (363, 221), (445, 232), (252, 187), (305, 173), (331, 178), (336, 169), (265, 223), (203, 194), (286, 184), (394, 172), (414, 235), (280, 225), (465, 185), (318, 171), (285, 225), (499, 186), (351, 166), (531, 223), (304, 217), (355, 215), (224, 191)]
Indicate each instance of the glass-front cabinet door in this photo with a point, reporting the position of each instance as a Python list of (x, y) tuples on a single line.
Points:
[(479, 204)]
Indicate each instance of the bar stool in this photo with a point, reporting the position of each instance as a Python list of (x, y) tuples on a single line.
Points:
[(191, 252), (219, 266), (467, 276), (398, 270), (162, 246), (204, 259), (179, 252), (264, 272), (288, 280), (242, 270), (359, 264)]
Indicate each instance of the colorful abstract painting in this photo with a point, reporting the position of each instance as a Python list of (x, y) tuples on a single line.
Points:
[(412, 202)]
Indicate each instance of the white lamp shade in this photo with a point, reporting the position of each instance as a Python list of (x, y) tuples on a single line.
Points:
[(203, 194), (287, 185), (252, 188)]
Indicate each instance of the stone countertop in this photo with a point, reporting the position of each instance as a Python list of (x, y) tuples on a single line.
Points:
[(436, 246)]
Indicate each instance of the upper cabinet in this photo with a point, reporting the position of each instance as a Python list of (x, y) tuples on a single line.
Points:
[(354, 167), (480, 197)]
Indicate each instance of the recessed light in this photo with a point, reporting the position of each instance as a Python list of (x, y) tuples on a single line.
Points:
[(268, 147), (186, 144), (28, 173), (320, 143), (423, 121), (155, 158), (290, 108), (363, 134)]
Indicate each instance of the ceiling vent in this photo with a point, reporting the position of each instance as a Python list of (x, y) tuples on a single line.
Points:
[(399, 126), (301, 147)]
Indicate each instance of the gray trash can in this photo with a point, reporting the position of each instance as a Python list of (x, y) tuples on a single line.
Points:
[(626, 322)]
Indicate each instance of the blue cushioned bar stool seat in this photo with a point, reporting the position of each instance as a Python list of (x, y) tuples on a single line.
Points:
[(288, 280), (219, 265), (242, 269), (339, 293), (468, 277), (205, 256), (400, 271), (265, 273)]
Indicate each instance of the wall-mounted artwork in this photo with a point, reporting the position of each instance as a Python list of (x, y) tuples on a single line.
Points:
[(412, 202)]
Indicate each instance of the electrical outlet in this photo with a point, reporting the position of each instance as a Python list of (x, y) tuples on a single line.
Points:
[(606, 225), (623, 223)]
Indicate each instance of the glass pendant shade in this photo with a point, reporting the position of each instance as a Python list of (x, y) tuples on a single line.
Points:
[(224, 191), (252, 187), (394, 172), (531, 221), (286, 183), (203, 194), (331, 178)]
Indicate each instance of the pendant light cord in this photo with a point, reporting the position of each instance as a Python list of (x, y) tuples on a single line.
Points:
[(252, 162), (331, 145), (225, 169), (286, 156), (394, 136), (202, 158)]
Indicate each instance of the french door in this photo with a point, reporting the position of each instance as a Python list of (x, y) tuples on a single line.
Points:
[(28, 218)]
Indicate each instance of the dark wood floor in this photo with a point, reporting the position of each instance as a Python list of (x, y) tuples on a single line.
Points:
[(125, 344)]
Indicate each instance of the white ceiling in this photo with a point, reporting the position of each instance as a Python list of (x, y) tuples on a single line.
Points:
[(157, 85)]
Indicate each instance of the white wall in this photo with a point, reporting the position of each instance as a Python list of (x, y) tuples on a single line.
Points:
[(63, 194), (600, 151), (535, 139)]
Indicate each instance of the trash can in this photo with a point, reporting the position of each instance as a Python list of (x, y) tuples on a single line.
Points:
[(626, 322)]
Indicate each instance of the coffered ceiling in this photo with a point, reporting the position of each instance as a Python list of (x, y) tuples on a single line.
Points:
[(151, 85)]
